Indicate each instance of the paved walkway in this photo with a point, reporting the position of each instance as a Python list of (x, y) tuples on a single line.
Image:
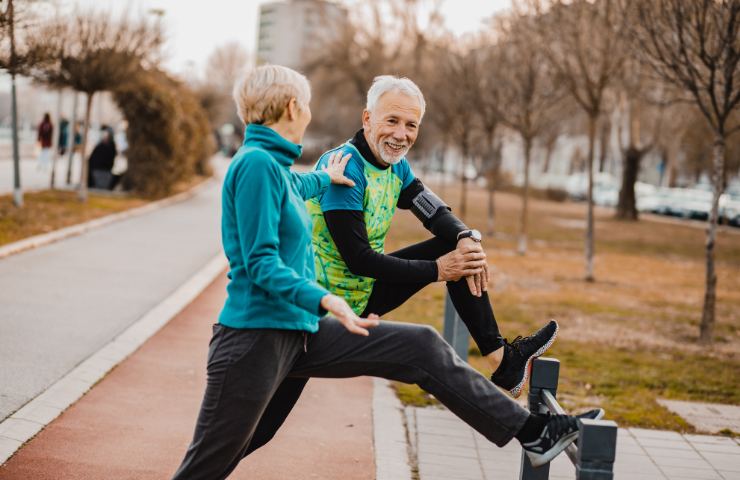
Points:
[(447, 449), (137, 422), (64, 301)]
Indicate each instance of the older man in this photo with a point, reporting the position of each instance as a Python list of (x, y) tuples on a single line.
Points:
[(350, 225)]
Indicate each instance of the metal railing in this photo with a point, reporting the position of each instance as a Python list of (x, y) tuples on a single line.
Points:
[(455, 331), (594, 455)]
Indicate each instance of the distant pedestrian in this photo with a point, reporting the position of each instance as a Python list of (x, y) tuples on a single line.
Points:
[(63, 136), (78, 136), (44, 138), (101, 161), (120, 165)]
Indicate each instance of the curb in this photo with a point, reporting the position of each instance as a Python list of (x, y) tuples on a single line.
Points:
[(389, 434), (30, 419), (74, 230)]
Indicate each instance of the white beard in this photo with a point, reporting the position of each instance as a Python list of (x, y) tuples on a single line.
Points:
[(388, 158)]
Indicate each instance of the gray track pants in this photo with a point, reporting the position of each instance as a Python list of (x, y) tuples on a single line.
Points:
[(246, 367)]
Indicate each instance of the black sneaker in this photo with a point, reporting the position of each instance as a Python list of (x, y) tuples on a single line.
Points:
[(559, 432), (595, 414), (514, 371)]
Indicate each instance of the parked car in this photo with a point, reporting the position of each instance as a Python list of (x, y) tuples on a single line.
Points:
[(729, 208), (577, 184)]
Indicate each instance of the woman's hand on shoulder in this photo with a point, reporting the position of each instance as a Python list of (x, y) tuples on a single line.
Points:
[(339, 309), (335, 168)]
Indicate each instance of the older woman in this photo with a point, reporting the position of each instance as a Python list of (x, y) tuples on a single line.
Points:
[(274, 325)]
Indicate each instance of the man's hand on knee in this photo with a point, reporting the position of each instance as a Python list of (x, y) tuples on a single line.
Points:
[(477, 283), (461, 262)]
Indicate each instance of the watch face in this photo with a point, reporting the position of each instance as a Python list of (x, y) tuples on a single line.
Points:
[(475, 235)]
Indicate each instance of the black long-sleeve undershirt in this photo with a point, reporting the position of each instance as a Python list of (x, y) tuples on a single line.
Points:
[(347, 228)]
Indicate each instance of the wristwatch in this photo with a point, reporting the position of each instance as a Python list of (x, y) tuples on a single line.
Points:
[(472, 233)]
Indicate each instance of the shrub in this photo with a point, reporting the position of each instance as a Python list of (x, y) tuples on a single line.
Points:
[(169, 136)]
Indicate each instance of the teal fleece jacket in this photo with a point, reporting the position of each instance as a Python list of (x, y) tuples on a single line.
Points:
[(266, 233)]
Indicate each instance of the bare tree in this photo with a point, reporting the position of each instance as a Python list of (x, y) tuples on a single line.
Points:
[(696, 47), (489, 92), (455, 99), (223, 67), (91, 53), (384, 37), (18, 54), (641, 103), (530, 94), (583, 42)]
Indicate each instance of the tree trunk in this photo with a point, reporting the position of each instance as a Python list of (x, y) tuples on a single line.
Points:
[(590, 200), (707, 316), (672, 167), (17, 192), (522, 247), (492, 185), (82, 192), (71, 139), (55, 153), (606, 129), (491, 205), (549, 148), (464, 183), (627, 205)]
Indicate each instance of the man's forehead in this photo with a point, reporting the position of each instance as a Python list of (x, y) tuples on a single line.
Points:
[(398, 104)]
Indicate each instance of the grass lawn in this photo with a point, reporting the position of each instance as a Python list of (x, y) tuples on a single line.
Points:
[(625, 340)]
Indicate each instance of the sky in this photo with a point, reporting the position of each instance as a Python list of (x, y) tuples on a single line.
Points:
[(194, 27)]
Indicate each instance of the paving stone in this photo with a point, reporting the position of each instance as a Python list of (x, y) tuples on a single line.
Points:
[(445, 440), (37, 412), (729, 449), (679, 473), (672, 453), (642, 433), (19, 429), (730, 475), (8, 446), (438, 449), (706, 417), (434, 430), (729, 463), (673, 461), (709, 439), (472, 472), (656, 442)]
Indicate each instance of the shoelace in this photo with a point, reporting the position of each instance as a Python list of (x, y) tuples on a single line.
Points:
[(558, 425), (515, 344)]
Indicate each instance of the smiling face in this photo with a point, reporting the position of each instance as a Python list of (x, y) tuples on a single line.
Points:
[(392, 127)]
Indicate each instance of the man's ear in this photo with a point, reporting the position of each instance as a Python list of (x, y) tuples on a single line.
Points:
[(365, 119)]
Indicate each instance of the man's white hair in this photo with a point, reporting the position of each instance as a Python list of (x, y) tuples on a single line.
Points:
[(389, 83), (263, 93)]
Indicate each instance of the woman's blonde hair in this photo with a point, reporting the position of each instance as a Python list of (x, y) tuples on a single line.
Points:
[(263, 93)]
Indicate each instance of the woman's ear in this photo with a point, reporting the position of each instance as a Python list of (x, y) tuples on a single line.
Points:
[(292, 109)]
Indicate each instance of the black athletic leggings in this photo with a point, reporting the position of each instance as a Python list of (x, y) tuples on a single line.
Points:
[(475, 312)]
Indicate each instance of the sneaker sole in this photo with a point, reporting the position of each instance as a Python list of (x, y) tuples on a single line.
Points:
[(537, 460), (516, 392)]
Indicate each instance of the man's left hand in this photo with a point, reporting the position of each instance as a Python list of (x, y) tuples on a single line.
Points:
[(477, 283)]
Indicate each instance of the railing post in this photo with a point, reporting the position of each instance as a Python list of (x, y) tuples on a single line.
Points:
[(545, 373), (597, 448), (455, 331)]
